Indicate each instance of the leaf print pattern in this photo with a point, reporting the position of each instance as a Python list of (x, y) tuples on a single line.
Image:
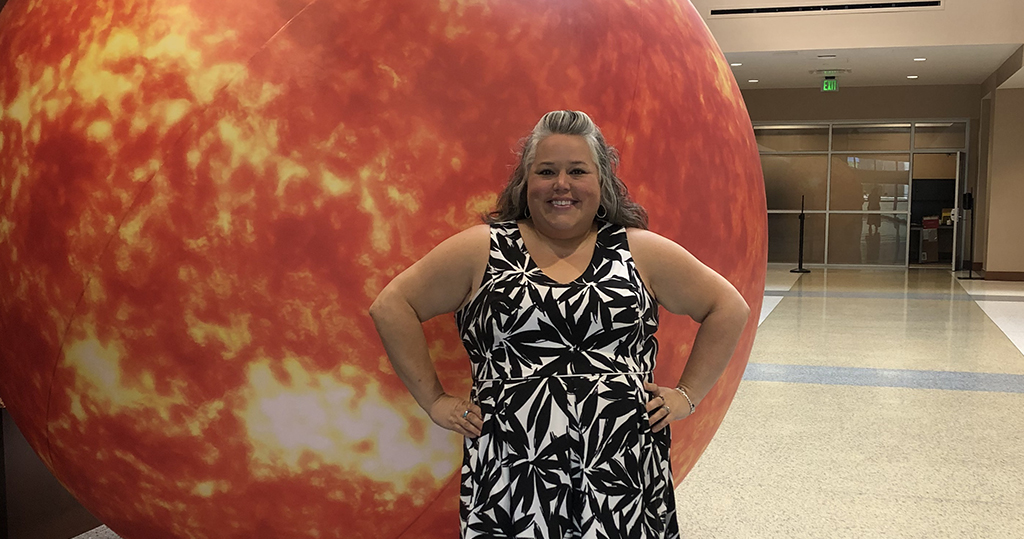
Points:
[(558, 370)]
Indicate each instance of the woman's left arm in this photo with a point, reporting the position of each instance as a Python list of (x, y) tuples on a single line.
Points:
[(683, 285)]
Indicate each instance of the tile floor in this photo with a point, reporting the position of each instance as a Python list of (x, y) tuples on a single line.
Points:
[(877, 404)]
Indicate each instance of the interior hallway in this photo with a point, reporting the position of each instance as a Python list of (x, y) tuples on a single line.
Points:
[(877, 403)]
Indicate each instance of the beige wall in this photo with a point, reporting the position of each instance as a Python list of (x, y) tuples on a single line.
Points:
[(874, 103), (1005, 246), (981, 188), (959, 22)]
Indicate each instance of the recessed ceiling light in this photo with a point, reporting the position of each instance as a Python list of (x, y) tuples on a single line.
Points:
[(736, 64), (911, 76), (920, 59), (753, 80)]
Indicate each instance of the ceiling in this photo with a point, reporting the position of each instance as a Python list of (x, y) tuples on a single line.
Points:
[(945, 65)]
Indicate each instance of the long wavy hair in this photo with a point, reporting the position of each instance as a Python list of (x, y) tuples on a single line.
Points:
[(619, 208)]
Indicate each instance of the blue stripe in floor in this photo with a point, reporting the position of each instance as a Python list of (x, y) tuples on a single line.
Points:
[(892, 295), (855, 376)]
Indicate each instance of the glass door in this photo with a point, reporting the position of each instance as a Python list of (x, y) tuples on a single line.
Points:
[(932, 209), (961, 180)]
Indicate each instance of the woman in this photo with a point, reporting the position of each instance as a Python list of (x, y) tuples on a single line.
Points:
[(556, 302)]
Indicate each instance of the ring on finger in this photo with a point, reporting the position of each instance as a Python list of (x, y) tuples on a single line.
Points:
[(465, 414), (667, 410)]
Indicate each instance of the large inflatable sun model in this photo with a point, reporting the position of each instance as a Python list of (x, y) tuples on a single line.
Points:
[(200, 199)]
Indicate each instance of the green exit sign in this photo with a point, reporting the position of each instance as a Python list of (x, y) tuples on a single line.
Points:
[(830, 84)]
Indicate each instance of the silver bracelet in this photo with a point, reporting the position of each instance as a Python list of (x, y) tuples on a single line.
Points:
[(687, 397)]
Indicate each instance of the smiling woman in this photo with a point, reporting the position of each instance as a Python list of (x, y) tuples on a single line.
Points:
[(563, 192), (557, 311)]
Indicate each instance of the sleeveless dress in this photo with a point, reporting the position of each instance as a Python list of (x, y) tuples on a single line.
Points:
[(558, 371)]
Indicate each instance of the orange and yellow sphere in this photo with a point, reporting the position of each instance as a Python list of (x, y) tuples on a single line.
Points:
[(199, 200)]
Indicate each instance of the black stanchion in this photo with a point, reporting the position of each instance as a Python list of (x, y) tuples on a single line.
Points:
[(968, 205), (800, 252)]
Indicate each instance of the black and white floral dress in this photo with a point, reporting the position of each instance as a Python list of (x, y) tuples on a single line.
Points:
[(558, 370)]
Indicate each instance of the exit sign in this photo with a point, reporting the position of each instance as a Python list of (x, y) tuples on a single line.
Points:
[(830, 84)]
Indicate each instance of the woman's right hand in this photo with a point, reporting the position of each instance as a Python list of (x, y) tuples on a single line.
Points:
[(449, 412)]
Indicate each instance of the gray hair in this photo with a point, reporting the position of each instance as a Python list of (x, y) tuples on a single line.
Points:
[(619, 207)]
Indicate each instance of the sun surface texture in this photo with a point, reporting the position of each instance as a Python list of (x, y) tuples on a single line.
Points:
[(200, 199)]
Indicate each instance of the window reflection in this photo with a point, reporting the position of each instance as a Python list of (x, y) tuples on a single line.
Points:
[(784, 238), (867, 239), (862, 182), (788, 177)]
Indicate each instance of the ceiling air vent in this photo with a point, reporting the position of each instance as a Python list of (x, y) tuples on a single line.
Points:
[(851, 7)]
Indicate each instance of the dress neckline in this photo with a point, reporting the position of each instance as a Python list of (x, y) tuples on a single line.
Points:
[(534, 269)]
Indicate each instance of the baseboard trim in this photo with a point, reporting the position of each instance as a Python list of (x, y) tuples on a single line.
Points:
[(978, 266), (1004, 275)]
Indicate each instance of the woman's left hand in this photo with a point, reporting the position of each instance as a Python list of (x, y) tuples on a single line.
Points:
[(666, 405)]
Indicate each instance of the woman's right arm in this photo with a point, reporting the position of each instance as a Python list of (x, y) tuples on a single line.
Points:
[(438, 283)]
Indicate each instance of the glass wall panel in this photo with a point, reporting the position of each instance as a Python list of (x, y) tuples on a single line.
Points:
[(787, 177), (784, 238), (934, 166), (941, 136), (870, 182), (867, 239), (871, 138), (793, 138)]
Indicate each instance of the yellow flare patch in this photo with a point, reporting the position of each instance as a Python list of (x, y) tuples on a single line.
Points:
[(174, 46), (100, 131), (94, 83), (205, 83), (121, 44), (234, 337), (320, 416), (380, 237), (98, 368), (287, 170), (404, 200), (334, 185), (20, 109), (723, 76), (395, 79), (6, 226), (224, 222), (245, 145)]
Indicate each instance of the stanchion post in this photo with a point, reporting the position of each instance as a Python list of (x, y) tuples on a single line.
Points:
[(800, 249)]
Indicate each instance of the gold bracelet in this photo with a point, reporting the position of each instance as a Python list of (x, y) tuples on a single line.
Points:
[(687, 397)]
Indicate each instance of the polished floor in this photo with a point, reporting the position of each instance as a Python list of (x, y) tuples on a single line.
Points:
[(877, 404)]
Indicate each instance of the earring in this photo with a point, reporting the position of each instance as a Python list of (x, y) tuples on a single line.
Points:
[(526, 212), (601, 212)]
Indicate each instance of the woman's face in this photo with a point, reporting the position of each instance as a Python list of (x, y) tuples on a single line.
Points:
[(562, 190)]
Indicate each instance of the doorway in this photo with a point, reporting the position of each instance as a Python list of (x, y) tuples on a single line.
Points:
[(934, 209)]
